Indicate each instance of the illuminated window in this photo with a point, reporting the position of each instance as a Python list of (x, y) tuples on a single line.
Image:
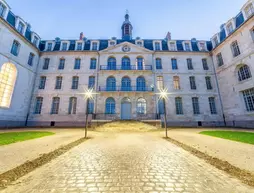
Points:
[(8, 76), (160, 84), (176, 82), (141, 106)]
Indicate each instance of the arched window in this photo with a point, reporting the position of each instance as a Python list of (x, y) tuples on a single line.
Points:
[(140, 63), (244, 73), (158, 64), (176, 80), (126, 63), (110, 106), (8, 77), (141, 106), (111, 63), (141, 84), (111, 83), (126, 84)]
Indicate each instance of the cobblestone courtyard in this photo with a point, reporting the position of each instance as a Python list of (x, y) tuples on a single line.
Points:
[(127, 162)]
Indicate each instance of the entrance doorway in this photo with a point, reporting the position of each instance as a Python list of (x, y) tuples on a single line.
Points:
[(126, 109)]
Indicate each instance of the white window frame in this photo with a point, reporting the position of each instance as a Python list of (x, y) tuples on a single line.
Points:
[(34, 35), (247, 14), (18, 21), (139, 41), (229, 28), (91, 46), (68, 44), (154, 48), (184, 47), (46, 46), (76, 46), (6, 9), (233, 48), (200, 48), (169, 46), (215, 43)]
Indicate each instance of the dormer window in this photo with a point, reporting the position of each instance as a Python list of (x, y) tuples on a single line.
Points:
[(2, 10), (79, 46), (230, 28), (21, 27), (64, 46), (35, 42), (49, 47), (172, 46), (94, 46), (202, 46), (157, 46), (112, 43), (249, 10), (187, 46), (139, 43), (216, 41)]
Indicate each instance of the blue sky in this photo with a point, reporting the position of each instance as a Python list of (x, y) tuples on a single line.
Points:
[(185, 19)]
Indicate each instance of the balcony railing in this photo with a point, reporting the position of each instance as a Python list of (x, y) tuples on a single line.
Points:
[(126, 89), (132, 67), (135, 116)]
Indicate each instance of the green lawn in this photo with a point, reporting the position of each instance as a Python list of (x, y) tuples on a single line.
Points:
[(244, 137), (13, 137)]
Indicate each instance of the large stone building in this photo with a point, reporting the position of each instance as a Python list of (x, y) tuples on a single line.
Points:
[(209, 83)]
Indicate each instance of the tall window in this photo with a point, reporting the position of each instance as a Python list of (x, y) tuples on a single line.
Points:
[(172, 46), (46, 64), (189, 64), (77, 64), (176, 80), (244, 73), (15, 48), (235, 49), (230, 28), (126, 84), (205, 65), (91, 82), (8, 76), (126, 63), (72, 105), (208, 83), (192, 83), (64, 46), (249, 10), (61, 64), (49, 48), (187, 46), (212, 105), (94, 46), (42, 82), (21, 27), (179, 105), (202, 46), (141, 106), (111, 83), (110, 106), (219, 58), (174, 64), (140, 63), (75, 81), (248, 96), (195, 105), (160, 84), (141, 84), (216, 41), (58, 82), (79, 46), (55, 105), (90, 106), (158, 64), (93, 63), (35, 41), (2, 10), (30, 59), (111, 63), (38, 105), (157, 46)]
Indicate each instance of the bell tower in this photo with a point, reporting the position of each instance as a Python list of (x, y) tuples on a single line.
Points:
[(127, 28)]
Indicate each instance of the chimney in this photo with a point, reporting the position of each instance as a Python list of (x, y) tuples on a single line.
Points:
[(81, 36), (168, 37)]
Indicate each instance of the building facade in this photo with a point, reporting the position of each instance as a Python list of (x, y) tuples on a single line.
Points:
[(209, 83)]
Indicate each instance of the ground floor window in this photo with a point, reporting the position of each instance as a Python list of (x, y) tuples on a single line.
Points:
[(90, 106), (248, 96), (141, 106), (212, 105), (72, 105), (110, 106), (179, 106)]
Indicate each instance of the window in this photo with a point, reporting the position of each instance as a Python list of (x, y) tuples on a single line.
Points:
[(64, 46), (141, 84), (38, 105), (30, 59), (110, 106), (2, 10), (176, 80), (55, 105), (58, 82), (160, 84), (174, 64), (230, 28), (195, 105), (205, 65), (72, 105), (212, 105), (179, 106), (202, 46), (112, 43), (75, 80), (216, 41), (139, 43), (21, 27), (208, 83), (192, 83), (126, 63), (187, 46), (235, 49), (79, 46), (8, 76), (219, 59), (46, 64), (126, 84), (94, 45), (172, 46), (158, 64), (161, 106), (111, 63), (111, 83), (141, 106), (249, 10), (61, 64), (42, 82), (77, 64), (90, 106), (15, 48), (49, 48), (189, 64), (244, 73), (35, 42), (93, 63), (140, 63), (248, 96), (157, 46), (91, 82)]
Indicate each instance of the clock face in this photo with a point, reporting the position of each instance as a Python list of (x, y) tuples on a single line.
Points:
[(126, 48)]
